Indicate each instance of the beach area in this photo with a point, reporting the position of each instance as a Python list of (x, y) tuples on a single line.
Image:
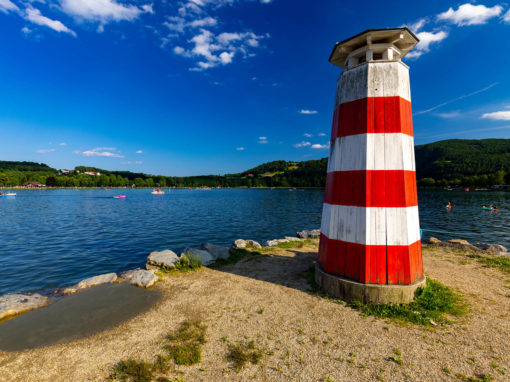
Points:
[(265, 302)]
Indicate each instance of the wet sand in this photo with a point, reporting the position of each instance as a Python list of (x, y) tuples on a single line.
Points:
[(77, 316)]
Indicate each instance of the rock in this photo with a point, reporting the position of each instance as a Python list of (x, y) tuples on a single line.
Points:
[(216, 251), (140, 277), (166, 258), (254, 244), (433, 240), (206, 257), (239, 244), (458, 242), (90, 282), (14, 303), (312, 234), (274, 242), (496, 249), (290, 238)]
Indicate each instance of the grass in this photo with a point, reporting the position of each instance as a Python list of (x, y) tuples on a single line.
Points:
[(500, 262), (183, 346), (187, 263), (430, 304), (242, 353), (237, 255), (293, 244)]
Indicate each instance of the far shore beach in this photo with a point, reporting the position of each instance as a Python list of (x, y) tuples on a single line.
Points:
[(306, 337)]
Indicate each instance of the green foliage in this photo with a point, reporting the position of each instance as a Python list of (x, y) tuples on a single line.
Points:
[(184, 346), (430, 304), (242, 353), (293, 244), (501, 262), (132, 371), (237, 255), (188, 262)]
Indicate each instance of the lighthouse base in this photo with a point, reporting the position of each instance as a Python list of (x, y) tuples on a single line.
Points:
[(349, 290)]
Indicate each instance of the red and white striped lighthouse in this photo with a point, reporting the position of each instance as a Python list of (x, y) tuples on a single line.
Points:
[(370, 245)]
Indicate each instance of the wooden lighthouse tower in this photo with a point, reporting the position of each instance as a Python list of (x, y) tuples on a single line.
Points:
[(370, 247)]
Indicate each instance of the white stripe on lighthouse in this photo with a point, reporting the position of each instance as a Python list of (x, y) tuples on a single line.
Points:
[(371, 225), (379, 151), (380, 79)]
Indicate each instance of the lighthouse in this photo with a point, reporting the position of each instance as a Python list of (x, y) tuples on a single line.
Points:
[(370, 248)]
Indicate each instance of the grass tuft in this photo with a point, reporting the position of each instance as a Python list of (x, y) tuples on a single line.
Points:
[(293, 244), (133, 371), (240, 354), (430, 305), (185, 344)]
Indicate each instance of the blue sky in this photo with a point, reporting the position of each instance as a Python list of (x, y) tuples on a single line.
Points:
[(212, 87)]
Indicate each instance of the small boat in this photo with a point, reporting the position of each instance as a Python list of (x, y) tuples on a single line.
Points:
[(9, 194), (119, 197)]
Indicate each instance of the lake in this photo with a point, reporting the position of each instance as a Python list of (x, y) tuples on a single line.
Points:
[(52, 238)]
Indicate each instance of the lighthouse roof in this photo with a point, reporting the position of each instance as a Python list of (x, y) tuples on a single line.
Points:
[(401, 38)]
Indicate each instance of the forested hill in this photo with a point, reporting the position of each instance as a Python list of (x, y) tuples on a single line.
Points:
[(451, 162), (464, 161)]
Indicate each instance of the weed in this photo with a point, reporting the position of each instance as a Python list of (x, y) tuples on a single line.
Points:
[(188, 262), (185, 344), (478, 378), (501, 262), (430, 305), (240, 354), (397, 352), (379, 378), (132, 370), (293, 244), (261, 310), (397, 360), (446, 370)]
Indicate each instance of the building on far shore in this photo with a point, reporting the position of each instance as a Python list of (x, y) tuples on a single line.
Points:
[(92, 173), (33, 184)]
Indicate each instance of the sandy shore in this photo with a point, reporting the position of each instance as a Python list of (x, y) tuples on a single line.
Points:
[(304, 337)]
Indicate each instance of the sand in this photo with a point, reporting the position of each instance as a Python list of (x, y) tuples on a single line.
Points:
[(305, 337)]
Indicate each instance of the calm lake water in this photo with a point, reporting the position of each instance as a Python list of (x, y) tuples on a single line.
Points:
[(52, 238)]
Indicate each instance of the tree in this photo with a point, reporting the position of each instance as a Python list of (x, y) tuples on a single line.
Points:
[(51, 181)]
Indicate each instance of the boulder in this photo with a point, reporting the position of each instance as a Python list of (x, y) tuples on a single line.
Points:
[(291, 238), (496, 249), (274, 242), (206, 257), (216, 251), (458, 242), (166, 258), (433, 240), (240, 244), (14, 303), (90, 282), (254, 244), (140, 277), (311, 234)]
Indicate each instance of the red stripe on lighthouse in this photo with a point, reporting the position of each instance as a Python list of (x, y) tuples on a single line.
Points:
[(375, 264), (368, 188), (373, 115)]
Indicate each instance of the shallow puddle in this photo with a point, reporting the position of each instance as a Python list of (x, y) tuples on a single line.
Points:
[(76, 316)]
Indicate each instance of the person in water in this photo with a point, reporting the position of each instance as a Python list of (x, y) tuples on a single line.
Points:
[(449, 206)]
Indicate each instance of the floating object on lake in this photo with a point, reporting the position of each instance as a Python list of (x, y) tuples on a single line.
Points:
[(370, 246), (189, 189), (8, 194), (157, 191), (119, 197)]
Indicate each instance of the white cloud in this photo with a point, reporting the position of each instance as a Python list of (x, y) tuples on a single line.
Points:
[(469, 14), (306, 111), (131, 162), (34, 15), (26, 30), (7, 6), (302, 144), (452, 114), (506, 17), (498, 115), (45, 151), (103, 11), (240, 148), (426, 39), (318, 146), (262, 138), (100, 152), (266, 1), (308, 135), (205, 22), (321, 134), (417, 25), (139, 152), (62, 144)]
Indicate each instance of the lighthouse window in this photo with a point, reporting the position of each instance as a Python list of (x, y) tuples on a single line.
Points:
[(377, 56), (362, 59)]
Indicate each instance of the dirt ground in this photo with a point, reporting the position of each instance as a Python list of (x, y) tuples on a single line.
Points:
[(304, 337)]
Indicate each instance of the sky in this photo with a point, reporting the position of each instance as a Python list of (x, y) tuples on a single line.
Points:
[(219, 86)]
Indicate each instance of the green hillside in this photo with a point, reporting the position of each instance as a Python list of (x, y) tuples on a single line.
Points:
[(479, 163)]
